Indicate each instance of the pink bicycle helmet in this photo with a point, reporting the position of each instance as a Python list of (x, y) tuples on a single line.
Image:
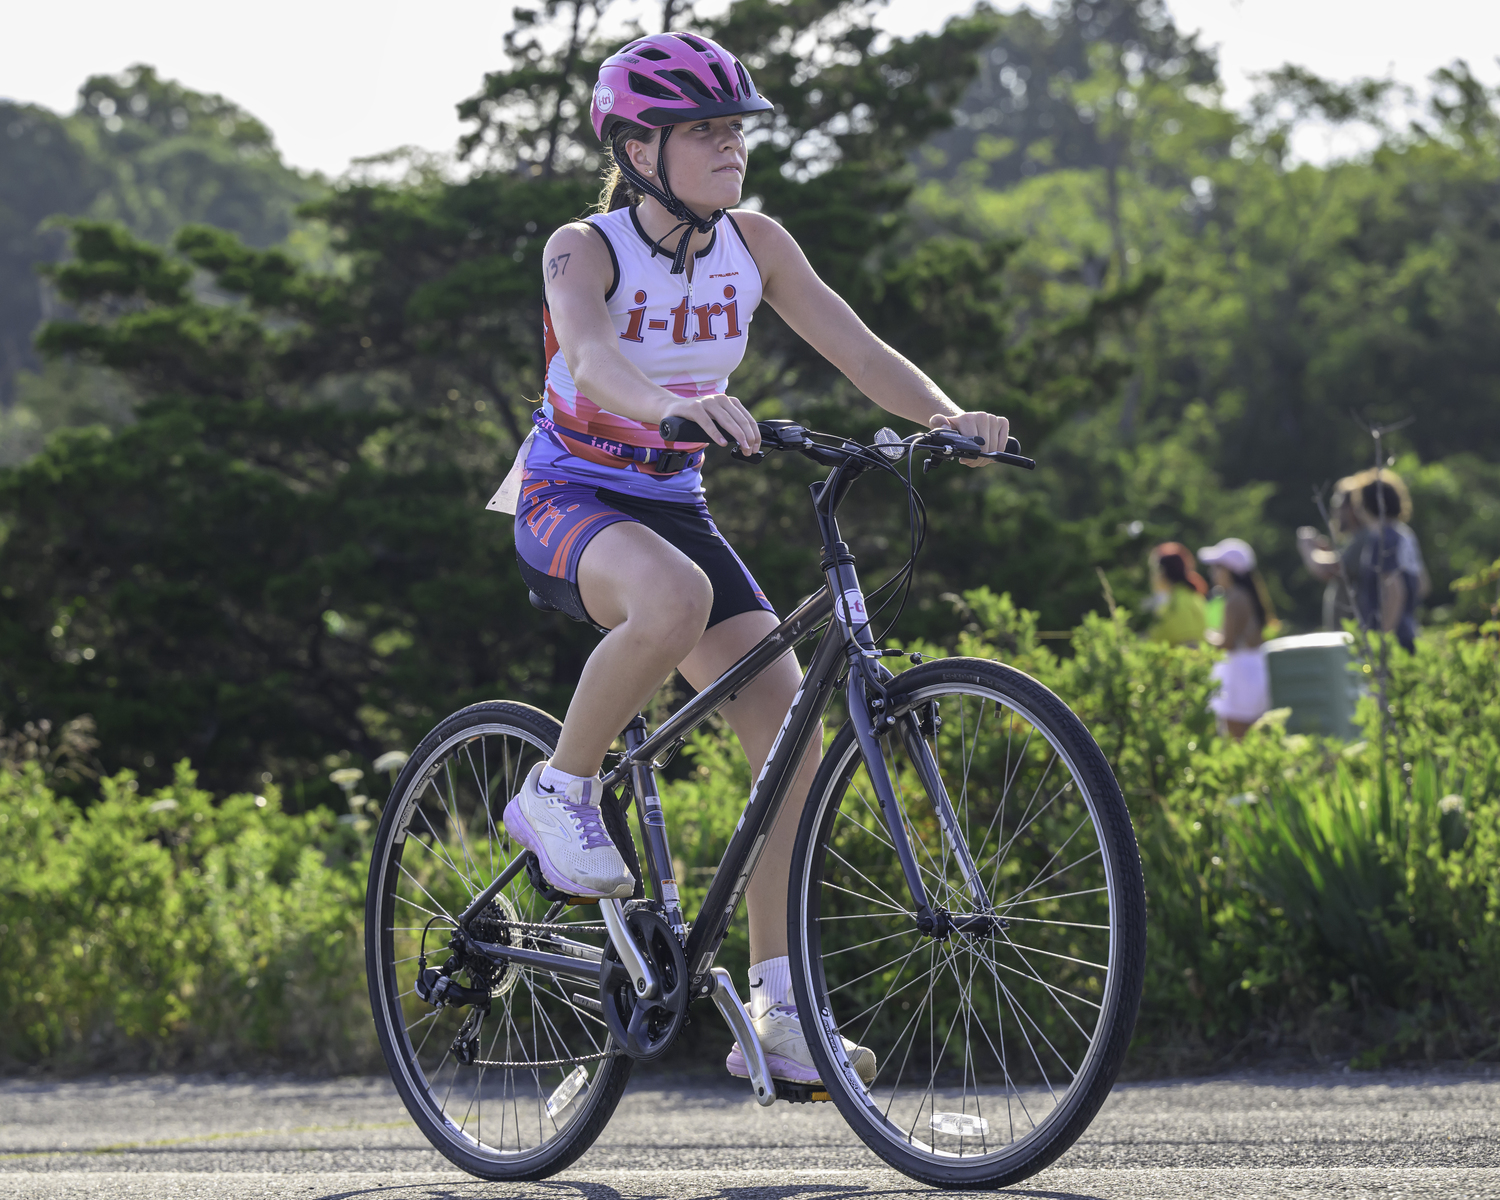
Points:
[(661, 81)]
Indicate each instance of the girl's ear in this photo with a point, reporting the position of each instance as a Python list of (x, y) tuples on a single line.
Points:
[(642, 156)]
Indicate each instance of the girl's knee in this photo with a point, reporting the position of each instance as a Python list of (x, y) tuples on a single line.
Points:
[(677, 607)]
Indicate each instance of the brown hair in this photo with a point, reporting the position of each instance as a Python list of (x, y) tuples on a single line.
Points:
[(1361, 492), (1176, 563), (617, 191)]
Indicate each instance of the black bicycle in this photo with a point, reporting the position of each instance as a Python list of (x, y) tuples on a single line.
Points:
[(966, 900)]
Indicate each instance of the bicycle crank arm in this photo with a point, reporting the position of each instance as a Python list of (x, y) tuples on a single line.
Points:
[(738, 1020), (636, 966)]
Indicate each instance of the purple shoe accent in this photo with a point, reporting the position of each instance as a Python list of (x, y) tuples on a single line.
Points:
[(590, 822), (520, 828), (781, 1067)]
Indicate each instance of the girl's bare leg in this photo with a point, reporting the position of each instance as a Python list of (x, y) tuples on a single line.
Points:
[(655, 602), (756, 718)]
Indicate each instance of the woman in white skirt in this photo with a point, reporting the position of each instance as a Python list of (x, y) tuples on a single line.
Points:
[(1244, 687)]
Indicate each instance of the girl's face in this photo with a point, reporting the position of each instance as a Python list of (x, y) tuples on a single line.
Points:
[(705, 162), (1222, 577)]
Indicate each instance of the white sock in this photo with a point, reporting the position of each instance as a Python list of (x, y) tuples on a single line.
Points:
[(553, 780), (770, 985)]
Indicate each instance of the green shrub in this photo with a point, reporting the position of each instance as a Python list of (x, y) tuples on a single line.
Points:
[(1401, 897), (1304, 895), (168, 930), (1300, 894)]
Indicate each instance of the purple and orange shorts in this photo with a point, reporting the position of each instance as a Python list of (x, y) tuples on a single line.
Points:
[(557, 518)]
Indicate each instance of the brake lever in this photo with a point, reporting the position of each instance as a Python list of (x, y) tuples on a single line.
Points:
[(945, 451)]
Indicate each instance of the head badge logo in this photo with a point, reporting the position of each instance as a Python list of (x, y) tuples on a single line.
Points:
[(604, 98)]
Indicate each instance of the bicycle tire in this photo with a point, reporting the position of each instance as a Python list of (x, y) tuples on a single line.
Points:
[(471, 807), (1025, 1018)]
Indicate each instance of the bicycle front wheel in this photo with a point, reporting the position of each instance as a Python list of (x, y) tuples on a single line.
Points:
[(522, 1092), (997, 1040)]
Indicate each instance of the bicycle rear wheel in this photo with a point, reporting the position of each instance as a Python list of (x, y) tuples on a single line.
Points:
[(520, 1109), (995, 1046)]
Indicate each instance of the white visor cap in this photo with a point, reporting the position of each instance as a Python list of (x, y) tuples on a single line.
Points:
[(1234, 554)]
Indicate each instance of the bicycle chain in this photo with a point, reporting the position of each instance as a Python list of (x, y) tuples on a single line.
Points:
[(550, 1062), (505, 1064)]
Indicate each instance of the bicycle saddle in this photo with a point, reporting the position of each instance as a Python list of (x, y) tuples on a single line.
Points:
[(542, 605)]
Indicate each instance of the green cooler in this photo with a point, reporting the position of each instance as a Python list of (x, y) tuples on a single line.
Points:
[(1310, 675)]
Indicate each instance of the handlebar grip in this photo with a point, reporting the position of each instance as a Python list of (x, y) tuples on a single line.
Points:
[(1012, 446), (680, 429)]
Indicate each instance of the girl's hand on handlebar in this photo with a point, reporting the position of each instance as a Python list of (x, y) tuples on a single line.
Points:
[(994, 430), (719, 414)]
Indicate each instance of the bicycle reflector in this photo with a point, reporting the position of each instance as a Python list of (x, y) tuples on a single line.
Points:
[(889, 444)]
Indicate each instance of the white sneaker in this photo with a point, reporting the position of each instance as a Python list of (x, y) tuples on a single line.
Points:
[(565, 830), (785, 1047)]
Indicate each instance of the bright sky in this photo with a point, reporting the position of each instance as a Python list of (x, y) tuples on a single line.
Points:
[(339, 80)]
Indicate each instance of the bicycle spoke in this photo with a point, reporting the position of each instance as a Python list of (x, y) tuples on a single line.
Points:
[(894, 903), (531, 1025), (1037, 879), (979, 1035)]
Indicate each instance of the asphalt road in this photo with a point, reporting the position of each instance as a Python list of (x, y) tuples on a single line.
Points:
[(1248, 1135)]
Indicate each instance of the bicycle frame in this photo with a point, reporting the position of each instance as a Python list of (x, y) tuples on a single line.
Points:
[(846, 649)]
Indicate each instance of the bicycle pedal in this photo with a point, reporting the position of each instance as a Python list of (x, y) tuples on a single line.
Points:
[(801, 1093), (544, 889)]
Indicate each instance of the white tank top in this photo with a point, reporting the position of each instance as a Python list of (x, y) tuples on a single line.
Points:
[(687, 335)]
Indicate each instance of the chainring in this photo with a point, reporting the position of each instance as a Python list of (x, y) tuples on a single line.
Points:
[(646, 1029)]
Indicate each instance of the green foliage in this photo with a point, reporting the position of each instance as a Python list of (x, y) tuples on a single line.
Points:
[(287, 556), (1300, 897), (139, 150), (1290, 293), (168, 930), (284, 564)]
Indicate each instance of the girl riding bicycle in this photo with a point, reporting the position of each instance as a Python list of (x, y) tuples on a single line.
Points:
[(648, 306)]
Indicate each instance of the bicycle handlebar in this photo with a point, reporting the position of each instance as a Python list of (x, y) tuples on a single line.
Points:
[(786, 435)]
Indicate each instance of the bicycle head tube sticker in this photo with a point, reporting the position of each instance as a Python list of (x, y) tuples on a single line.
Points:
[(852, 608)]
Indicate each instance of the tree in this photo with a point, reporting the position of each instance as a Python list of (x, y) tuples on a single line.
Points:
[(1290, 294), (138, 149), (286, 559)]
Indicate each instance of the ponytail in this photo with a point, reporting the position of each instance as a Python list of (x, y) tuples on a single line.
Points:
[(1260, 597), (617, 191)]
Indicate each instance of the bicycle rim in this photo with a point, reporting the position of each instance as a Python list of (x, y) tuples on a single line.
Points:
[(440, 844), (988, 1045)]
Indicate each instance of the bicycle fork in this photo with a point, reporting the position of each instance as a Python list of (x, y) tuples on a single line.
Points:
[(871, 720)]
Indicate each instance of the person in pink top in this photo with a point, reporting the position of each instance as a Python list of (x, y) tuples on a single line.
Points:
[(648, 308)]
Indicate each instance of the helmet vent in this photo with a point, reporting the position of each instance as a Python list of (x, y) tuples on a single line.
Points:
[(650, 52), (692, 41), (689, 83), (724, 84), (746, 90), (644, 86)]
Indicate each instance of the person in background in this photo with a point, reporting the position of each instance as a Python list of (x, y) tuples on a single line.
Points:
[(1178, 595), (1320, 552), (1244, 688), (1381, 560)]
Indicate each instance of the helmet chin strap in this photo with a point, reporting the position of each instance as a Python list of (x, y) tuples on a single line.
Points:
[(687, 220)]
